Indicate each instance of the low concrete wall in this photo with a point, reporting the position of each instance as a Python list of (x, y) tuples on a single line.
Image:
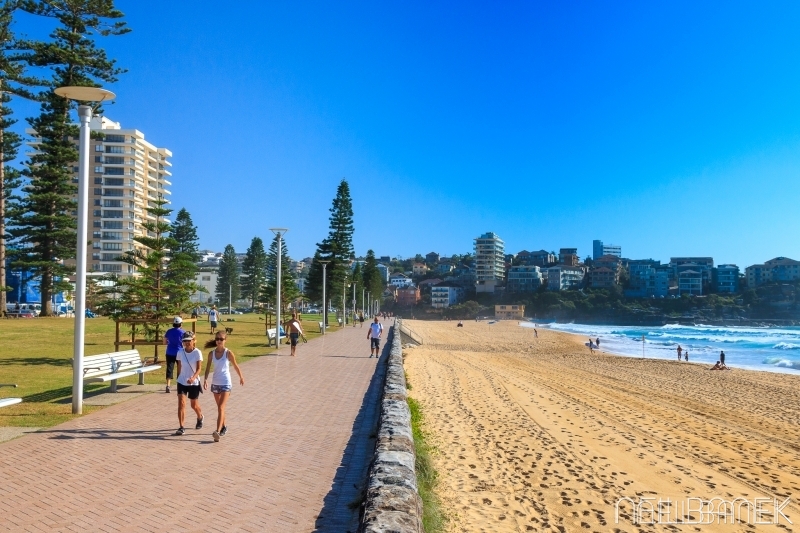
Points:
[(392, 501)]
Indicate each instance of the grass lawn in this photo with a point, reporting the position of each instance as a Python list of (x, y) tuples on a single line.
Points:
[(36, 356)]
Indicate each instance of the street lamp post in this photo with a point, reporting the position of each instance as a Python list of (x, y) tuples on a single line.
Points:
[(324, 301), (354, 304), (344, 307), (279, 232), (85, 112), (363, 292)]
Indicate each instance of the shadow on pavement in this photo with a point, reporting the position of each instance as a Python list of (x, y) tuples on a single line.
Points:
[(342, 505)]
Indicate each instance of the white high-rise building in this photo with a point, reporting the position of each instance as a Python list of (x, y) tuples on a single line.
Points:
[(126, 174), (490, 265)]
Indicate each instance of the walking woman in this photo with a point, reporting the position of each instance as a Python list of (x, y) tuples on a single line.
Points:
[(189, 361), (221, 382)]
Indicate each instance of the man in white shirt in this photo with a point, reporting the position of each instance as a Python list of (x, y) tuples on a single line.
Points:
[(189, 362), (374, 333)]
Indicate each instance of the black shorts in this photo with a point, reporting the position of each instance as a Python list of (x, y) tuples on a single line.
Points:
[(293, 338), (171, 366), (192, 391), (213, 325), (376, 342)]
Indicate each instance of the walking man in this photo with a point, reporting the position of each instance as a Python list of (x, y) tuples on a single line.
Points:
[(294, 329), (173, 338), (189, 362), (213, 317), (374, 333)]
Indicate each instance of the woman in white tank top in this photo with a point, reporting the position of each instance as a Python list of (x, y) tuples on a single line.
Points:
[(221, 382)]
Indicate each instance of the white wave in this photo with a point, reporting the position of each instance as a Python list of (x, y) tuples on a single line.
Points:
[(786, 346)]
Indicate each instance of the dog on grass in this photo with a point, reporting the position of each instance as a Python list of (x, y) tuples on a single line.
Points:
[(229, 331)]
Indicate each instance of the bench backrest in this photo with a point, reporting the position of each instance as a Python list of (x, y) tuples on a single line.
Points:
[(271, 333), (109, 363)]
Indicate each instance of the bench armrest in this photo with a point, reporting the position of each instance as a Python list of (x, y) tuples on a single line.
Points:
[(87, 368)]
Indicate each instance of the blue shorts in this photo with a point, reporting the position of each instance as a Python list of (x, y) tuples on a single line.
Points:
[(218, 389)]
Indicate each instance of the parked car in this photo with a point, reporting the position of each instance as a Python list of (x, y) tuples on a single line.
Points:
[(24, 313)]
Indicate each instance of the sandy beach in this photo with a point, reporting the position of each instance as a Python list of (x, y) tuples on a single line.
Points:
[(537, 434)]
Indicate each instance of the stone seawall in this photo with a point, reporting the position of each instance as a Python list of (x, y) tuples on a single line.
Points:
[(392, 501)]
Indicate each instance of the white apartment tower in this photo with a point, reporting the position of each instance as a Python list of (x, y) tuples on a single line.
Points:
[(126, 174), (490, 266)]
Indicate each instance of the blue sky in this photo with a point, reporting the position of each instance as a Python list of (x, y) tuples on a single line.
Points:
[(668, 128)]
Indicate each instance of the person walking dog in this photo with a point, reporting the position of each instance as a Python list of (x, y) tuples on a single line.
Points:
[(221, 383), (189, 362), (374, 334)]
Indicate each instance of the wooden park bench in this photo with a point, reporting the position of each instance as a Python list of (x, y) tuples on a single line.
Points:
[(5, 402), (115, 365)]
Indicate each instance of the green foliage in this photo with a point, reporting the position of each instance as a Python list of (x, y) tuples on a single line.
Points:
[(155, 293), (336, 248), (433, 518), (254, 271), (43, 225), (228, 276), (13, 81), (183, 256), (372, 277)]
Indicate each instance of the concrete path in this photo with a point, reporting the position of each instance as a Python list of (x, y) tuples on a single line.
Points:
[(295, 458)]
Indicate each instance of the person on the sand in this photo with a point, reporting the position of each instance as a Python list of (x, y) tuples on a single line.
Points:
[(719, 366), (680, 351)]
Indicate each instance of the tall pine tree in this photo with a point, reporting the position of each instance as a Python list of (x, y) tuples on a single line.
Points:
[(183, 257), (254, 271), (372, 277), (13, 81), (336, 248), (43, 223), (228, 277), (152, 294)]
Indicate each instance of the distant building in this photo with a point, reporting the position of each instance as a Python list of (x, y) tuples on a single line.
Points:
[(445, 295), (778, 269), (384, 272), (444, 268), (613, 262), (419, 269), (523, 279), (507, 312), (489, 262), (562, 277), (648, 278), (206, 278), (425, 283), (399, 280), (727, 279), (385, 259), (543, 258), (408, 295), (568, 256), (690, 282), (432, 258), (599, 249), (703, 265), (603, 278)]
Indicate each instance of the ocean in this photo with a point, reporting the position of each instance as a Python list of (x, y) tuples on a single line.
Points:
[(769, 349)]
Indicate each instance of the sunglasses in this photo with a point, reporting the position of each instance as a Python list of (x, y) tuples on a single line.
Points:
[(219, 339), (187, 340)]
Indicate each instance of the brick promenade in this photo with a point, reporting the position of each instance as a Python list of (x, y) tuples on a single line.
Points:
[(295, 457)]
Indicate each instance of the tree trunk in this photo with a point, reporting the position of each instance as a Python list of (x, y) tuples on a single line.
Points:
[(2, 219), (46, 290)]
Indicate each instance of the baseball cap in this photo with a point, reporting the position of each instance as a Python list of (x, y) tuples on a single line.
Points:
[(187, 336), (177, 320)]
